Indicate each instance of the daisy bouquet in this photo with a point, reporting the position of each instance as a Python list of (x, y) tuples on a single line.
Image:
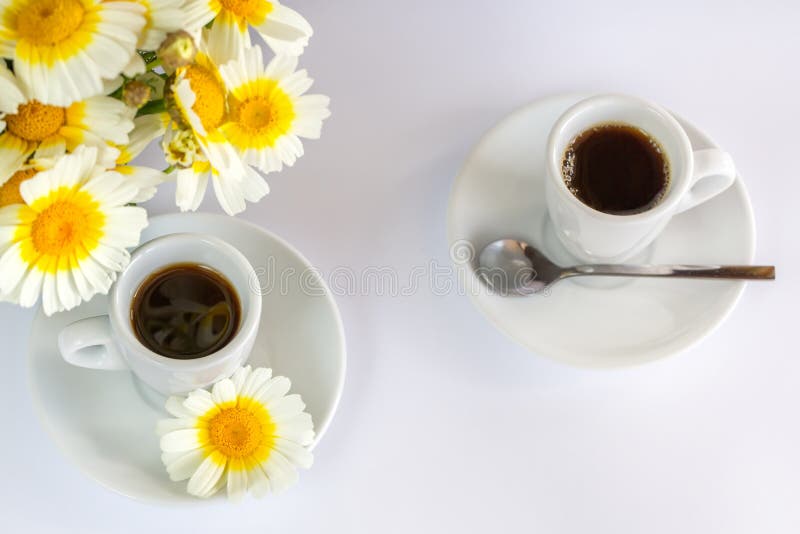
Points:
[(86, 85)]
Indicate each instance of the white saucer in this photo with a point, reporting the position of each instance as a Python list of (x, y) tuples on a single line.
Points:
[(102, 424), (500, 193)]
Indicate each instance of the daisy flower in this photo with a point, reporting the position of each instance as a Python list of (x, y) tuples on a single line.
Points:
[(269, 110), (196, 145), (282, 28), (246, 434), (64, 49), (68, 240), (45, 129)]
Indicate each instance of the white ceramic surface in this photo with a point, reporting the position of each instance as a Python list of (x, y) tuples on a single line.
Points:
[(500, 193), (592, 236), (102, 424), (108, 342)]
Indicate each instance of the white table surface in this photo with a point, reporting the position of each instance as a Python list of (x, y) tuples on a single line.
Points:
[(446, 425)]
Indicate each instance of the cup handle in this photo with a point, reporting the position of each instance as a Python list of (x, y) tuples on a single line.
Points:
[(90, 343), (714, 172)]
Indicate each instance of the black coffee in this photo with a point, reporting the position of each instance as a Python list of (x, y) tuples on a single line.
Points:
[(616, 168), (185, 311)]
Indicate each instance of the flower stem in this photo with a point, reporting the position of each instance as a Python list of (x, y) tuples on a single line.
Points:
[(154, 106)]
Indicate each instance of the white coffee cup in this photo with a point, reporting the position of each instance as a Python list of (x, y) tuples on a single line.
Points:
[(109, 342), (597, 237)]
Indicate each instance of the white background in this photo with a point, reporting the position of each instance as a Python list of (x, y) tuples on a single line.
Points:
[(445, 425)]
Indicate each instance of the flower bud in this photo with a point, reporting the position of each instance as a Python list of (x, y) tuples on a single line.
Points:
[(177, 50), (181, 148), (136, 93)]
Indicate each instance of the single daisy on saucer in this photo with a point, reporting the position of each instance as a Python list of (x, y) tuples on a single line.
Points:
[(246, 434), (269, 110), (63, 50), (68, 240), (44, 130)]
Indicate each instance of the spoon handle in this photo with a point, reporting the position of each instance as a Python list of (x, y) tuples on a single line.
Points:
[(736, 272)]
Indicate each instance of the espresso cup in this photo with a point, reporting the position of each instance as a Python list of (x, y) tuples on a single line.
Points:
[(109, 342), (695, 176)]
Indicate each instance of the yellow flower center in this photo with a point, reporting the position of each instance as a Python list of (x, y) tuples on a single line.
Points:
[(270, 114), (9, 191), (209, 101), (246, 8), (35, 121), (48, 22), (236, 432), (70, 223)]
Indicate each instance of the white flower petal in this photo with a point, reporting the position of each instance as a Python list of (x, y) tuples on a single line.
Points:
[(66, 290), (199, 404), (196, 13), (185, 465), (145, 129), (239, 376), (165, 16), (12, 267), (12, 215), (181, 440), (224, 391), (165, 426), (255, 381), (280, 471), (82, 286), (226, 39), (111, 258), (103, 116), (285, 30), (174, 406), (296, 83), (205, 478), (190, 190), (229, 194), (134, 67), (97, 277), (9, 88), (49, 150), (299, 429), (272, 390), (50, 302), (258, 482), (254, 187), (285, 407), (280, 67), (31, 287), (237, 484), (13, 153), (295, 453)]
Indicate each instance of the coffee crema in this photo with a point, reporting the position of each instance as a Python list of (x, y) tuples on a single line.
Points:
[(617, 169), (185, 311)]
